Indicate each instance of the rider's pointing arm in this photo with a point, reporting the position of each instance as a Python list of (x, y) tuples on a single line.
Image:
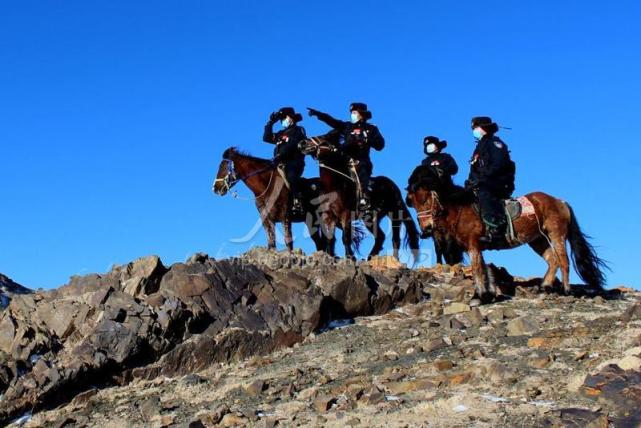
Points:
[(329, 120)]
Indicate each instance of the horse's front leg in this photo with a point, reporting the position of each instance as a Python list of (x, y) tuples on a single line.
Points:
[(479, 274), (347, 237), (329, 231), (289, 240), (270, 228)]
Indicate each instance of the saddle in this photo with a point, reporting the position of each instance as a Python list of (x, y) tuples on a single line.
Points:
[(514, 209)]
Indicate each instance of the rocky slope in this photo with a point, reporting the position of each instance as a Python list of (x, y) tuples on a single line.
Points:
[(8, 289), (249, 341)]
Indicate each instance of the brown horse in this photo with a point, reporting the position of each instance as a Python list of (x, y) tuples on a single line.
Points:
[(339, 195), (545, 226), (271, 195)]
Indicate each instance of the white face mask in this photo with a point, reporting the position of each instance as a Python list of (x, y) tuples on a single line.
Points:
[(431, 148), (355, 117)]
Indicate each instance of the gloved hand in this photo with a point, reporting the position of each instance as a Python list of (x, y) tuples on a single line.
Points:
[(273, 118), (312, 112), (471, 185)]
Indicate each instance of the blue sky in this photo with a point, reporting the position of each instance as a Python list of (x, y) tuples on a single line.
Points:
[(114, 114)]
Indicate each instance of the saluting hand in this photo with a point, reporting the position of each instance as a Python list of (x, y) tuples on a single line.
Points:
[(273, 118)]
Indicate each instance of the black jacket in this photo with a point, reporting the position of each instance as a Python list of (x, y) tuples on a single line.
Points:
[(358, 137), (443, 164), (286, 140), (435, 171), (491, 167)]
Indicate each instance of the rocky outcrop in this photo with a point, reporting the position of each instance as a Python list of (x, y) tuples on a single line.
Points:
[(8, 289), (142, 319), (532, 360)]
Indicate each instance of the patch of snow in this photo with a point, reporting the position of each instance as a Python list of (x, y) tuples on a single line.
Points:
[(494, 398), (392, 398), (332, 325), (543, 403), (460, 408), (22, 419)]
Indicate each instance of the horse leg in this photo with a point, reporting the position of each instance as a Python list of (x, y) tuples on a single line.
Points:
[(329, 232), (558, 241), (347, 237), (396, 233), (379, 236), (289, 240), (438, 248), (542, 247), (479, 273), (271, 233)]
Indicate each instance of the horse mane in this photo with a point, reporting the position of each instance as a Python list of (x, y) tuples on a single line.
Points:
[(227, 154)]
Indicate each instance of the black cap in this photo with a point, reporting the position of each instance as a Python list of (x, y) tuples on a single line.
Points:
[(289, 111), (440, 144), (485, 123), (362, 109)]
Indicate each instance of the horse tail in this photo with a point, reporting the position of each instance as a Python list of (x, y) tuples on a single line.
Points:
[(358, 234), (584, 258)]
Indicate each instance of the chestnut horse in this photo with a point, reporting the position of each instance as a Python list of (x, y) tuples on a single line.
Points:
[(271, 195), (546, 229), (339, 195)]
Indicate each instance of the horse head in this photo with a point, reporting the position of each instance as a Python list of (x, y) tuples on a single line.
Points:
[(226, 176), (321, 146), (428, 207)]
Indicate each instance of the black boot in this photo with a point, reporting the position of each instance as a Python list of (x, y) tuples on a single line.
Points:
[(494, 236), (297, 206)]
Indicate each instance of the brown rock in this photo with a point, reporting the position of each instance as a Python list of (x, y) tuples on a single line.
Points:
[(323, 403), (456, 308), (410, 386), (256, 387), (523, 326), (443, 365), (544, 342)]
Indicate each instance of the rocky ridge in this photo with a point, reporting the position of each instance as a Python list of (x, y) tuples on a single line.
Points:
[(8, 289), (253, 341)]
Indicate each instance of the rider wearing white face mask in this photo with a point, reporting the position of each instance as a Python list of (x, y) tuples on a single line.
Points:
[(359, 136), (437, 165), (287, 151)]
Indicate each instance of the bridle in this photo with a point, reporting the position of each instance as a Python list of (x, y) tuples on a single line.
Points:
[(435, 209), (317, 143), (231, 178)]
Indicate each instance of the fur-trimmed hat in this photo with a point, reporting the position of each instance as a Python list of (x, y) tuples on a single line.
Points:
[(362, 109), (440, 144), (485, 123), (289, 111)]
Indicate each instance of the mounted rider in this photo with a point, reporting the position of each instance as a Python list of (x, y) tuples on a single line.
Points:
[(436, 165), (287, 153), (491, 178), (358, 136)]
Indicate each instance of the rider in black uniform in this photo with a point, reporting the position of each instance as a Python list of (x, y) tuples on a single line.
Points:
[(491, 178), (287, 152), (359, 136)]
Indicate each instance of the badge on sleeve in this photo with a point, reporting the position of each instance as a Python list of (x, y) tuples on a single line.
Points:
[(498, 144)]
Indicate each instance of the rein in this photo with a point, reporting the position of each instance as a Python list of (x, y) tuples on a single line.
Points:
[(316, 142), (231, 173)]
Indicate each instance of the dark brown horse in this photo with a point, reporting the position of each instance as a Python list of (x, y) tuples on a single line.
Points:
[(339, 196), (271, 195), (545, 225)]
